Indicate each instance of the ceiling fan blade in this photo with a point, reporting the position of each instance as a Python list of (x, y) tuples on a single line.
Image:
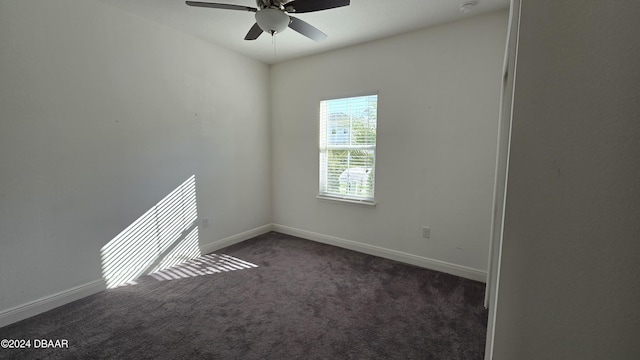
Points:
[(303, 6), (306, 29), (220, 6), (254, 32)]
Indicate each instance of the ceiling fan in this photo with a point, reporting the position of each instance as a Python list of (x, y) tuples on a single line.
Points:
[(272, 16)]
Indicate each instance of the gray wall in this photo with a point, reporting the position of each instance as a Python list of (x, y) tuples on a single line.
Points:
[(570, 273), (102, 114), (439, 94)]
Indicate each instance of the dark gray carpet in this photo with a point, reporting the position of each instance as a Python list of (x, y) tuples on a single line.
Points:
[(305, 300)]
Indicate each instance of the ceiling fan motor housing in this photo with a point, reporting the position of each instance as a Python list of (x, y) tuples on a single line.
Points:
[(272, 20)]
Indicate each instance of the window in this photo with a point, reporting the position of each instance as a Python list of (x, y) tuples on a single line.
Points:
[(348, 148)]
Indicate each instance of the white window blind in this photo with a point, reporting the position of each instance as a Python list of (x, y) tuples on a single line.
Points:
[(348, 147)]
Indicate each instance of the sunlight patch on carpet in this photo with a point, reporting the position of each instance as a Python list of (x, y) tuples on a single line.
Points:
[(203, 265)]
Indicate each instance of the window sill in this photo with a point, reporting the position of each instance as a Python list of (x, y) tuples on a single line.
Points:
[(347, 201)]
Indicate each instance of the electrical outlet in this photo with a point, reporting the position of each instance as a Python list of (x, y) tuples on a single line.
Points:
[(205, 223), (426, 232)]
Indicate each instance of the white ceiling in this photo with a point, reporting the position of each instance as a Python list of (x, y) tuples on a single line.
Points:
[(362, 21)]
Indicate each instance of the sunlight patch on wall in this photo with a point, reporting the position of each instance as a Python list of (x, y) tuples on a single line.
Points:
[(204, 265), (166, 235)]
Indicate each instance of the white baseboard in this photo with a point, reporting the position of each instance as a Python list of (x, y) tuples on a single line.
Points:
[(234, 239), (442, 266), (39, 306)]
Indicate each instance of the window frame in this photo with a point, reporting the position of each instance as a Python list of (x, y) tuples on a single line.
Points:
[(323, 151)]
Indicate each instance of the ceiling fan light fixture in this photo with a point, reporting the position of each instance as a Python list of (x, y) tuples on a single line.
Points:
[(272, 20), (467, 6)]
